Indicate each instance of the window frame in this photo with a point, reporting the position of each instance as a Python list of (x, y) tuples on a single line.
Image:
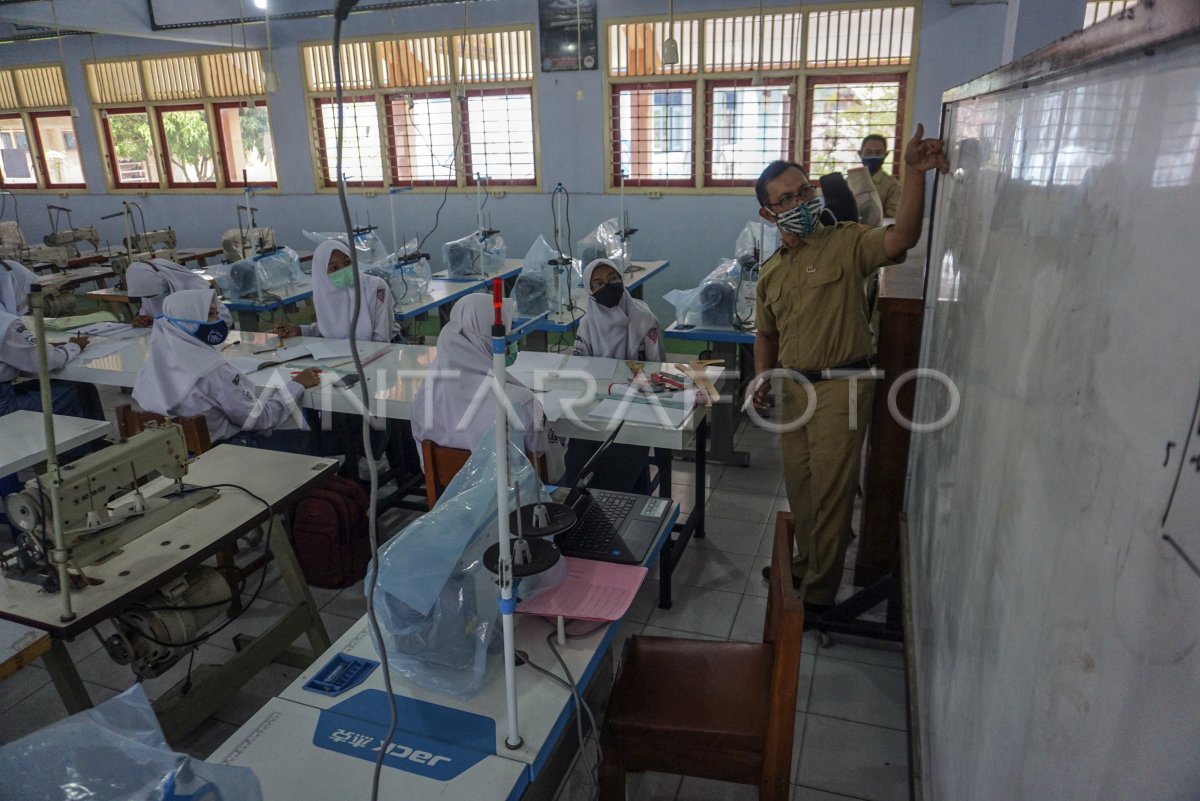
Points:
[(325, 160), (35, 186), (40, 152), (615, 129), (165, 153), (450, 82), (219, 133), (798, 74), (209, 102), (710, 86), (111, 150), (468, 174), (896, 148), (400, 96)]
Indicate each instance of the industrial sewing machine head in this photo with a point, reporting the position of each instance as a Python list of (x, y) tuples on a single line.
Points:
[(101, 501), (69, 238), (160, 243), (241, 243)]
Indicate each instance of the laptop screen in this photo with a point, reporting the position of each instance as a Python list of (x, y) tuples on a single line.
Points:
[(585, 473)]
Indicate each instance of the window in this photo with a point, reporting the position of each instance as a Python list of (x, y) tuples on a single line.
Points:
[(130, 147), (427, 111), (362, 151), (184, 122), (244, 141), (1095, 11), (652, 129), (842, 112), (750, 88), (38, 147)]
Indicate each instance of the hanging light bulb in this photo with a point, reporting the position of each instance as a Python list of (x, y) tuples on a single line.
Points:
[(670, 50)]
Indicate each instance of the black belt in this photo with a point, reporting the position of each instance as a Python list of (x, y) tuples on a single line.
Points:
[(841, 371)]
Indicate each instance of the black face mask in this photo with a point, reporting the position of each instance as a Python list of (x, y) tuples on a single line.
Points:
[(213, 333), (609, 295)]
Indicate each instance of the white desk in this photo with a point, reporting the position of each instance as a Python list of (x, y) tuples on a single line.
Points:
[(511, 268), (440, 293), (174, 548), (320, 733), (24, 437)]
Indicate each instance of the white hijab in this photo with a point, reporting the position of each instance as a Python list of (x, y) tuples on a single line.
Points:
[(15, 281), (177, 359), (335, 307), (617, 332), (152, 280), (441, 404)]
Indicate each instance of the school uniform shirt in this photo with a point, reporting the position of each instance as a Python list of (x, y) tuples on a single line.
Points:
[(153, 280), (628, 330), (18, 345), (459, 412), (183, 377), (889, 191), (335, 307)]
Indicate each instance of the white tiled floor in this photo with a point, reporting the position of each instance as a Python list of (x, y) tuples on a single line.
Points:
[(850, 721)]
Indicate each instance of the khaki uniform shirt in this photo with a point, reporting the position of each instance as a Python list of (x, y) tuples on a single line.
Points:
[(889, 191), (812, 296)]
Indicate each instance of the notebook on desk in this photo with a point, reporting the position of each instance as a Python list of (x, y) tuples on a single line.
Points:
[(611, 526)]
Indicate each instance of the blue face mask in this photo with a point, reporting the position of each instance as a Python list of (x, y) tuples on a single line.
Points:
[(213, 333), (873, 163)]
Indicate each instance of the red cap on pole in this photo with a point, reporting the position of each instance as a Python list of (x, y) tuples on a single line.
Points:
[(498, 298)]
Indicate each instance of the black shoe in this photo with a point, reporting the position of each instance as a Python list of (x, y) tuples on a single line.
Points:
[(813, 614), (797, 582)]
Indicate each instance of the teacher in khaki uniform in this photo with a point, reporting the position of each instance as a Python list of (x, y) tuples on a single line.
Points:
[(812, 322)]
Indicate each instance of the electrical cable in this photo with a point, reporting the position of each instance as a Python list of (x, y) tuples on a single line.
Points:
[(580, 705), (343, 9)]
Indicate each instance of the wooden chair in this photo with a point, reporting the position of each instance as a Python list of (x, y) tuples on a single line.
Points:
[(195, 429), (443, 463), (717, 710)]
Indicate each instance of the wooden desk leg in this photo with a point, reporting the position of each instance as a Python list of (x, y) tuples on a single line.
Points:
[(293, 579), (66, 678)]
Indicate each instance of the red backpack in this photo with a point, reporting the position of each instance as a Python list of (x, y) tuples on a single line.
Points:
[(328, 532)]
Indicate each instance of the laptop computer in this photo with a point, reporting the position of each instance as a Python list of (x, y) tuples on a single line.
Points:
[(611, 526)]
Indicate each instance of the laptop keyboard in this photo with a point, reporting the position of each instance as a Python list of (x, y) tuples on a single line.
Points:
[(598, 528)]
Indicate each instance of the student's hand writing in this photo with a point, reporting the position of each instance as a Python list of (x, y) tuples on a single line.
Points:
[(287, 330), (143, 321), (81, 341), (922, 155), (308, 378)]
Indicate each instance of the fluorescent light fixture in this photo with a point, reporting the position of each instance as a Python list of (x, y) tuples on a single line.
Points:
[(261, 4)]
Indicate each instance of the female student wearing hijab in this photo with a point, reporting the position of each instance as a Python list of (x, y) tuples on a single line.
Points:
[(185, 375), (154, 279), (457, 412), (333, 297), (618, 326), (19, 354)]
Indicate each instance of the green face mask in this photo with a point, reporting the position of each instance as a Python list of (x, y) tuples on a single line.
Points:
[(510, 354), (343, 278)]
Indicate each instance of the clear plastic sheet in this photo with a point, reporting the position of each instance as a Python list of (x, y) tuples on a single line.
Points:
[(533, 289), (475, 255), (718, 302), (266, 273), (758, 240), (603, 242), (438, 606), (114, 752)]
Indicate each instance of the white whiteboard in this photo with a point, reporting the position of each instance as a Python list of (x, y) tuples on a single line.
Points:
[(1056, 633)]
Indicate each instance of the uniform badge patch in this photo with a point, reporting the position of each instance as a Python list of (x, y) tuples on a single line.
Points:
[(652, 335), (380, 294)]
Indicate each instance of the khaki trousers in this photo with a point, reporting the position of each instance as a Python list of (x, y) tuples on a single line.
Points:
[(820, 467)]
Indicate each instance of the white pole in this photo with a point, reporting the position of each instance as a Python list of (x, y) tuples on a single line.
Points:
[(392, 213), (623, 224), (479, 205), (508, 602)]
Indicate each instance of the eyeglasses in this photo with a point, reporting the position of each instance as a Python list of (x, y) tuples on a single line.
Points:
[(792, 198), (598, 284)]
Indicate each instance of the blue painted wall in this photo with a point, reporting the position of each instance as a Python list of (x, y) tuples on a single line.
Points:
[(956, 43)]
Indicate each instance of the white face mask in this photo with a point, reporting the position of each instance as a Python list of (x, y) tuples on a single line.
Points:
[(802, 219)]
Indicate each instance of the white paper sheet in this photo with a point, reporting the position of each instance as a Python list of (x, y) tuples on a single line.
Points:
[(97, 349), (600, 368)]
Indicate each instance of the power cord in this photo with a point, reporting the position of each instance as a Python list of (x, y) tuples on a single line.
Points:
[(341, 12)]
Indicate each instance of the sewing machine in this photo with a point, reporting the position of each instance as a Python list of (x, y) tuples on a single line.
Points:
[(161, 243), (101, 501), (241, 243)]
